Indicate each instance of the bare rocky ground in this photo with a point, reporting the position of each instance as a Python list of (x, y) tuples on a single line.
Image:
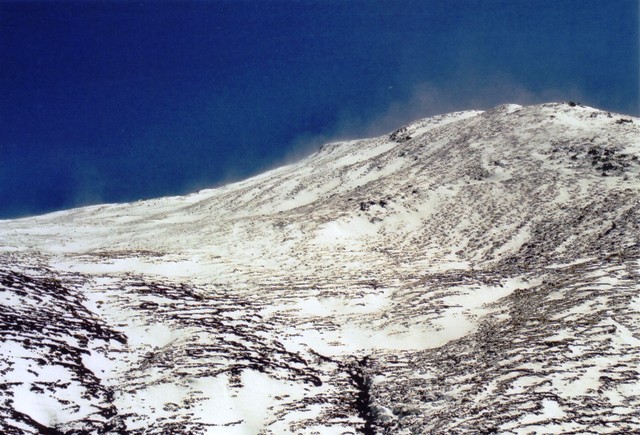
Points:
[(477, 272)]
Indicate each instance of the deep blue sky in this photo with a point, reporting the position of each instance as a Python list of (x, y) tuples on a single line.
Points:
[(118, 101)]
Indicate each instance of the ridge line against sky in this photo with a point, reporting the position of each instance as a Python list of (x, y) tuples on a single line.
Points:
[(118, 101)]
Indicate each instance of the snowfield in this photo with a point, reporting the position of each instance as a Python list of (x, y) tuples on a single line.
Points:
[(475, 272)]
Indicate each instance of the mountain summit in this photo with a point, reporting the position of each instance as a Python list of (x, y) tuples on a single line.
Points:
[(475, 272)]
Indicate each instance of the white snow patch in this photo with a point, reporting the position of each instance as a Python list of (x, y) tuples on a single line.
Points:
[(550, 409)]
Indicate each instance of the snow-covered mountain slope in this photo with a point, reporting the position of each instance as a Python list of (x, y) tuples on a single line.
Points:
[(474, 272)]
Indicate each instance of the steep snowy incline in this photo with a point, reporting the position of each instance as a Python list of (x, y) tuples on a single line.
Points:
[(467, 273)]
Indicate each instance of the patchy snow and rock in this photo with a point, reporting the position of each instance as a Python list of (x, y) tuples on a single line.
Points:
[(474, 272)]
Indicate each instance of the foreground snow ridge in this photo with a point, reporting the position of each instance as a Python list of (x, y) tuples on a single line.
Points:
[(476, 272)]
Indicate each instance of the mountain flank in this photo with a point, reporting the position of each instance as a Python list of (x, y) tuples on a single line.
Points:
[(474, 272)]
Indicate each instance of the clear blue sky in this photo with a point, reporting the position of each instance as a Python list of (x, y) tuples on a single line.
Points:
[(118, 101)]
